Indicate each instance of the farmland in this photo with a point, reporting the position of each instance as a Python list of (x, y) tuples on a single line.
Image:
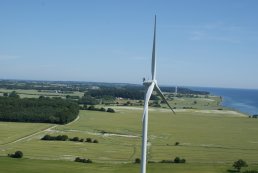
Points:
[(208, 140), (208, 136)]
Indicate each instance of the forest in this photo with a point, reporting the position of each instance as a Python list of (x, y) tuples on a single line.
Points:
[(43, 110)]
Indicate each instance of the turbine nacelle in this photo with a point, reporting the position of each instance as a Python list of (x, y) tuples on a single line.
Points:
[(147, 83)]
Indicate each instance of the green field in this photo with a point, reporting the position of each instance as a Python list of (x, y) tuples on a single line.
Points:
[(210, 141), (37, 166)]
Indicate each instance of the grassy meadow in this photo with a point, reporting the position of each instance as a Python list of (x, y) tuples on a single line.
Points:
[(58, 166), (209, 140)]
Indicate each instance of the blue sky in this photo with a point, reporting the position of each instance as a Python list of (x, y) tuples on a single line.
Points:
[(199, 42)]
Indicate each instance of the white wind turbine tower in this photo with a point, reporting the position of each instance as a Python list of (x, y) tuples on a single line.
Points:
[(150, 85)]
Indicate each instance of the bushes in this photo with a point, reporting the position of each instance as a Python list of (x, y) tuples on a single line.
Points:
[(88, 140), (17, 154), (137, 160), (255, 116), (102, 109), (55, 138), (167, 161), (176, 160), (66, 138), (62, 137), (93, 108), (78, 159), (76, 139), (95, 141), (177, 143), (110, 110)]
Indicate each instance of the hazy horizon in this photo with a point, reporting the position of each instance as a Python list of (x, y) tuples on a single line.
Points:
[(162, 85), (199, 43)]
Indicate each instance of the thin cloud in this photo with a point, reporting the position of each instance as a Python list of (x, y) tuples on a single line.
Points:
[(217, 31), (203, 35), (197, 35), (138, 58), (8, 57)]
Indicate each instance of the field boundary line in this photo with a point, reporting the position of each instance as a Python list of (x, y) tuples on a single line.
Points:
[(38, 132)]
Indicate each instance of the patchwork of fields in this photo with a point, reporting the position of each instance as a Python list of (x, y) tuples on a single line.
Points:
[(210, 141)]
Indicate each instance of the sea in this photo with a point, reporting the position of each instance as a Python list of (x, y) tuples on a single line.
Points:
[(242, 100)]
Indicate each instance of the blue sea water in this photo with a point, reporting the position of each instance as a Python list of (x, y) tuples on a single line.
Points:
[(243, 100)]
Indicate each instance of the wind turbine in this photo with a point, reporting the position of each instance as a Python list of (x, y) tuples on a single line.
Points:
[(150, 85)]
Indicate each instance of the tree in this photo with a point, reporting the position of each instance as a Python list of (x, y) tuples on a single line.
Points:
[(177, 143), (182, 161), (239, 164), (78, 159), (17, 154), (88, 140), (110, 110), (5, 94), (46, 137), (137, 160), (61, 138), (75, 139), (41, 97), (95, 141), (14, 94), (92, 107), (102, 109), (177, 160)]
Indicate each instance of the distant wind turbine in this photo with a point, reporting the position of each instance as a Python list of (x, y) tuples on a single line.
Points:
[(150, 85)]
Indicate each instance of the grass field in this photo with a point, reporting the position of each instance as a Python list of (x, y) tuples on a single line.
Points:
[(210, 141), (11, 131), (38, 166)]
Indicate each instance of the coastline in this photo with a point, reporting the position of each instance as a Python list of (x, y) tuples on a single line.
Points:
[(244, 101)]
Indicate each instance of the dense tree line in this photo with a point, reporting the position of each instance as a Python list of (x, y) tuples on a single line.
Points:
[(35, 87), (88, 100), (117, 92), (134, 93), (46, 110)]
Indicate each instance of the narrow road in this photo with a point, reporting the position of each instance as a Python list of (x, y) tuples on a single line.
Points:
[(29, 136), (38, 132)]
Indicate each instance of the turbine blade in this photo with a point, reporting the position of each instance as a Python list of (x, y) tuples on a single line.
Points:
[(163, 97), (147, 98), (153, 63)]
